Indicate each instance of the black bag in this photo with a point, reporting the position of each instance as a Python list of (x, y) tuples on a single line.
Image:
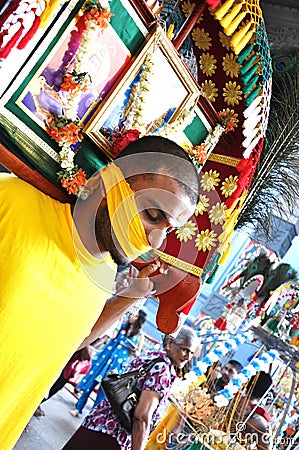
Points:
[(123, 393)]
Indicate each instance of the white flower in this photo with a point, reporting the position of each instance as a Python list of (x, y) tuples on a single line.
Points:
[(65, 164), (242, 378), (221, 401), (251, 369), (202, 365), (233, 389), (191, 377)]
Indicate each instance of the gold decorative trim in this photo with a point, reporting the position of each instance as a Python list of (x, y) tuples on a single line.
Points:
[(24, 136), (222, 159), (180, 264)]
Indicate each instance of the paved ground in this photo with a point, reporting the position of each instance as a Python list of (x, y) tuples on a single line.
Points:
[(53, 430)]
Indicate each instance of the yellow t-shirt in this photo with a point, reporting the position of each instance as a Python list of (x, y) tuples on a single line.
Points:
[(48, 303)]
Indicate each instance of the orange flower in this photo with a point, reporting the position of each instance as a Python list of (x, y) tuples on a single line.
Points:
[(65, 182), (68, 83), (230, 124), (72, 183), (199, 153), (81, 177), (102, 17), (54, 133), (228, 121)]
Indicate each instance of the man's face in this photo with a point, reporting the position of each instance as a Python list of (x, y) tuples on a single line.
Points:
[(162, 205), (228, 372)]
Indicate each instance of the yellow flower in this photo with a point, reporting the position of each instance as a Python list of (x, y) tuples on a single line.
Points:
[(232, 93), (217, 214), (225, 40), (186, 232), (202, 205), (229, 185), (187, 7), (209, 180), (201, 38), (209, 90), (230, 65), (207, 64), (206, 240)]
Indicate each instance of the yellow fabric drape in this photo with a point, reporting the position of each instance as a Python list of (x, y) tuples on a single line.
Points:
[(48, 304), (123, 213), (159, 438)]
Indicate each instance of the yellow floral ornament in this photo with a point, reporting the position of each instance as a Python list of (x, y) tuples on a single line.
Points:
[(209, 90), (210, 180), (217, 214), (208, 64), (229, 185), (230, 65), (225, 40), (232, 93), (187, 7), (201, 38), (187, 231), (206, 240), (202, 205)]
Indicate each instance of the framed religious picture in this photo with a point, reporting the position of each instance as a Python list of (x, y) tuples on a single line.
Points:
[(68, 75), (156, 90)]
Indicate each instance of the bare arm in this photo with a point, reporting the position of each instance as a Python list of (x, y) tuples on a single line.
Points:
[(262, 432), (117, 305), (147, 404), (139, 344)]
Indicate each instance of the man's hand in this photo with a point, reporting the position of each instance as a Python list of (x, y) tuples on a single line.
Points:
[(140, 285)]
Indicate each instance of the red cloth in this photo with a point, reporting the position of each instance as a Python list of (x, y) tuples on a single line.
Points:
[(262, 412)]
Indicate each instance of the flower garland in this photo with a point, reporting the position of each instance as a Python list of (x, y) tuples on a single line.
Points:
[(200, 153), (138, 97), (133, 125), (66, 129), (216, 354)]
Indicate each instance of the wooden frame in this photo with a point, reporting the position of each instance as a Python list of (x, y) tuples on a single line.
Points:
[(176, 85)]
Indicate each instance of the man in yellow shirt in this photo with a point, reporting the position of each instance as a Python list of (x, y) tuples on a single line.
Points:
[(58, 264)]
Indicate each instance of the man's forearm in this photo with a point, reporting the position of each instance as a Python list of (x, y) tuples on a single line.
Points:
[(114, 309), (117, 305)]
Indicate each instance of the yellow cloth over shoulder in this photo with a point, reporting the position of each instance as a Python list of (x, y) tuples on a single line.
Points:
[(48, 304), (123, 213)]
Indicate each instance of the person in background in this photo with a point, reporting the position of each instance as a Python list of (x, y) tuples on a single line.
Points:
[(228, 371), (102, 428), (79, 363), (255, 419), (58, 264), (113, 357)]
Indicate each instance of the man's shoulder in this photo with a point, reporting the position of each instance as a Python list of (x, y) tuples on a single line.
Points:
[(10, 183)]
